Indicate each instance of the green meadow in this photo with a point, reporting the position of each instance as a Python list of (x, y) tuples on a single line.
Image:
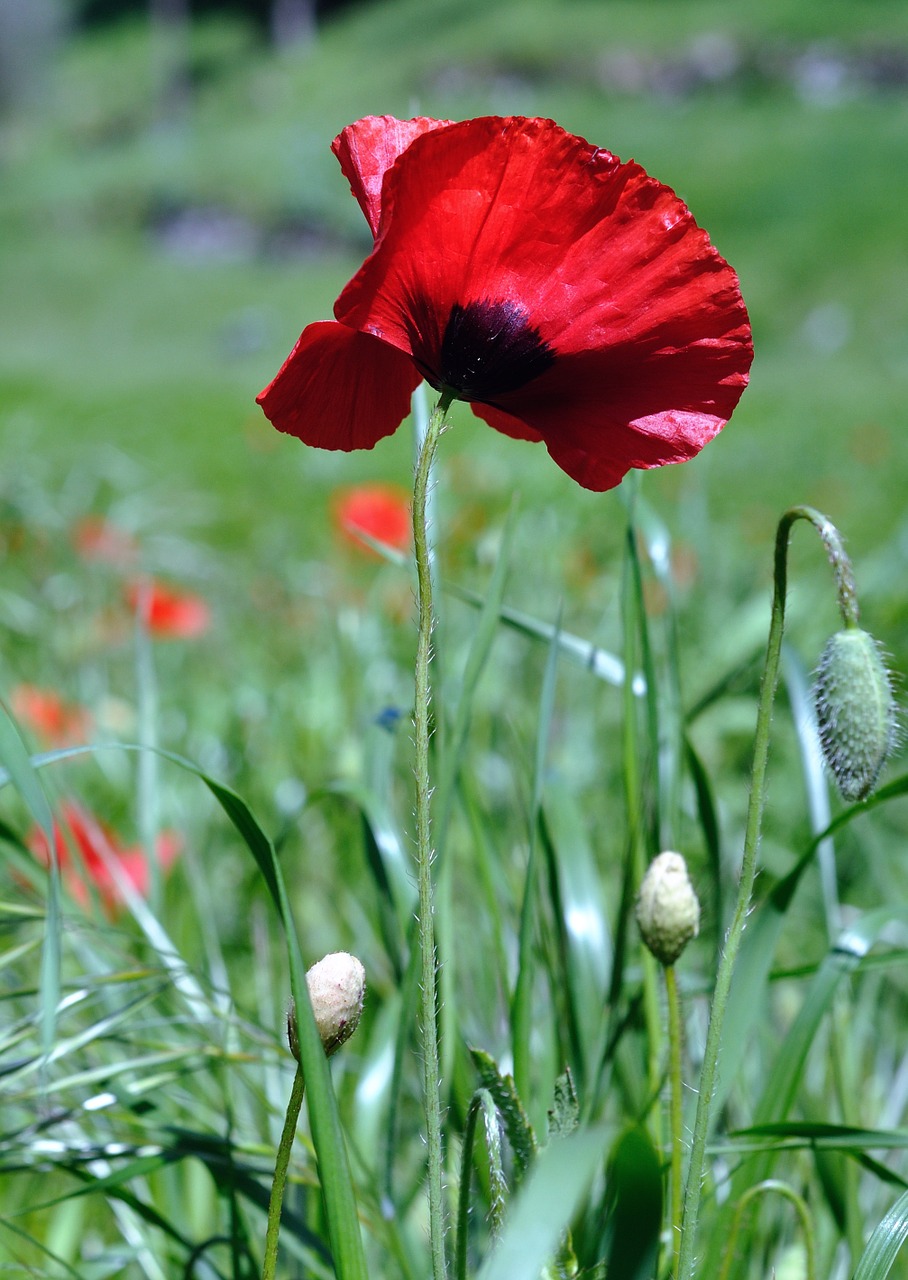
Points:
[(160, 252)]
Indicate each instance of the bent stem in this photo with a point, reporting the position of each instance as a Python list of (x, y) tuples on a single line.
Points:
[(282, 1163), (421, 713), (848, 605), (788, 1193)]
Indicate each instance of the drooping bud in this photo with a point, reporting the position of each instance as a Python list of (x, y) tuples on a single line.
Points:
[(856, 711), (337, 988), (668, 912)]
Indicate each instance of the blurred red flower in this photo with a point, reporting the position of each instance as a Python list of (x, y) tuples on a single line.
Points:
[(381, 511), (167, 612), (97, 847), (97, 539), (55, 721), (569, 297)]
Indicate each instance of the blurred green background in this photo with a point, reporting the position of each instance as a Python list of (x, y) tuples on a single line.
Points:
[(171, 217)]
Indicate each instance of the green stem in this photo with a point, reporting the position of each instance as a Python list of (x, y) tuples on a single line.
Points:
[(280, 1173), (708, 1073), (675, 1099), (838, 558), (634, 629), (421, 715), (782, 1189)]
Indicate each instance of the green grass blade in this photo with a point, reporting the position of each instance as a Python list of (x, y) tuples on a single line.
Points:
[(635, 1184), (708, 816), (790, 1061), (599, 662), (852, 945), (477, 659), (583, 956), (327, 1135), (751, 979), (884, 1245), (385, 864), (522, 1001), (543, 1210), (15, 759)]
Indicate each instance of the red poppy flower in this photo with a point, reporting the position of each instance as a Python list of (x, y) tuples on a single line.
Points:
[(169, 613), (381, 511), (569, 297), (56, 721), (97, 848)]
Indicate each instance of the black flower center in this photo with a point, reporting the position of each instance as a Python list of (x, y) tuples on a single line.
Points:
[(487, 349)]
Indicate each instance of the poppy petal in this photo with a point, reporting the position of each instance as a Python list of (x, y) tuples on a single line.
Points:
[(340, 389), (505, 423), (602, 413), (614, 307), (368, 148)]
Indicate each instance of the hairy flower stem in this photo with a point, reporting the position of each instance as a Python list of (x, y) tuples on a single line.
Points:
[(707, 1083), (421, 716), (675, 1099), (285, 1146)]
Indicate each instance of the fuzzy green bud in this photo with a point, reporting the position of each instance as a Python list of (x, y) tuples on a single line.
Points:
[(668, 912), (856, 712), (337, 988)]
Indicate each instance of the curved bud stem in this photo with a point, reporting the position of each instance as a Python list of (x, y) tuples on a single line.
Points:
[(835, 550), (847, 598)]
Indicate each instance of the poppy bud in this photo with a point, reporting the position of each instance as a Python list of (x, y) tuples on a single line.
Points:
[(337, 987), (668, 912), (856, 713)]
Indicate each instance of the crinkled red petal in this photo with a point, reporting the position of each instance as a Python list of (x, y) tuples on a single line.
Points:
[(604, 412), (368, 148), (340, 389), (650, 334)]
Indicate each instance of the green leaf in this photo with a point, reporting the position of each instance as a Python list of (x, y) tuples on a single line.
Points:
[(885, 1243), (507, 1100), (635, 1187), (543, 1210), (482, 1103), (564, 1114)]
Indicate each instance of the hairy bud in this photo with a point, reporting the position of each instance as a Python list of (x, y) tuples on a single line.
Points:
[(856, 712), (337, 988), (668, 912)]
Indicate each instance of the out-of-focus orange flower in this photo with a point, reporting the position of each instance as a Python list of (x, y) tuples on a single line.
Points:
[(167, 612), (97, 847), (97, 539), (381, 511), (55, 721)]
